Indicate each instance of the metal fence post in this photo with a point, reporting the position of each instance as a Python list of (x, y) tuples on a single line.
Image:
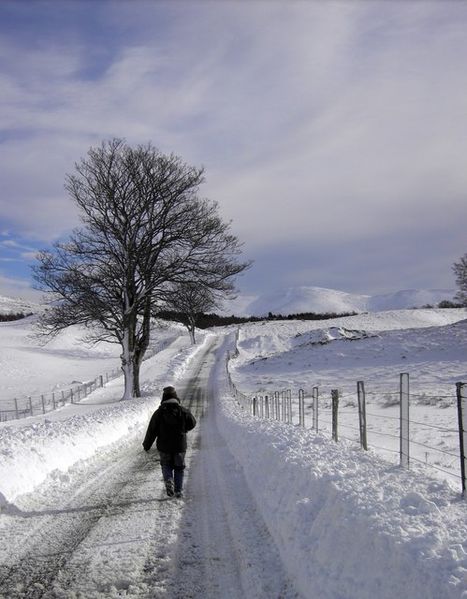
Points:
[(289, 407), (266, 405), (16, 409), (315, 409), (43, 404), (335, 411), (254, 406), (362, 413), (284, 406), (462, 416), (404, 420)]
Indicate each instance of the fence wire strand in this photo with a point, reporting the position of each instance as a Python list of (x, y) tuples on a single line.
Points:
[(384, 391)]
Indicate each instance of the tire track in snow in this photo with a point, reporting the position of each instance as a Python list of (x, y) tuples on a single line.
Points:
[(58, 517), (114, 534), (224, 548), (47, 536)]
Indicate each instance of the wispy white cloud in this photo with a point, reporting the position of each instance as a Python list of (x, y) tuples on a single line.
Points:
[(18, 287), (337, 122)]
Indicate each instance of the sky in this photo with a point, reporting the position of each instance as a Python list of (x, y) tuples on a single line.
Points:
[(333, 134)]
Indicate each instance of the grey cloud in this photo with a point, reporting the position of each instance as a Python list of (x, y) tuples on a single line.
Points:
[(328, 123)]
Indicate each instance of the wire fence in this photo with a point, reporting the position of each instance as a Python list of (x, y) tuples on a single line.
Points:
[(33, 405), (388, 427)]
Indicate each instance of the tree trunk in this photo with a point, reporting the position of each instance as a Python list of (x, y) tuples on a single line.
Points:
[(141, 345), (191, 326), (129, 347), (191, 330), (136, 388), (127, 365)]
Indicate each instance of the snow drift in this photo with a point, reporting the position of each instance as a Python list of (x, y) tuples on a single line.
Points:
[(346, 523)]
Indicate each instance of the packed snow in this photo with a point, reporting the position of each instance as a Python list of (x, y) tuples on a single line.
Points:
[(271, 509)]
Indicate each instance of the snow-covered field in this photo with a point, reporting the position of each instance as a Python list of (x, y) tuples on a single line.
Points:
[(32, 366), (429, 345), (339, 523), (374, 347)]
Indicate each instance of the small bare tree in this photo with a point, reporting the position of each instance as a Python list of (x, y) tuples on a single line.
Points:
[(460, 270), (188, 301), (144, 228)]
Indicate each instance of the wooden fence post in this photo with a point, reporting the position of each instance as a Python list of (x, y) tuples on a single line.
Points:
[(315, 408), (335, 411), (16, 409), (301, 408), (404, 419), (462, 417), (362, 413)]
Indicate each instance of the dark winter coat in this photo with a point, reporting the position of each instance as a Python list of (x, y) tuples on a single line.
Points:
[(169, 425)]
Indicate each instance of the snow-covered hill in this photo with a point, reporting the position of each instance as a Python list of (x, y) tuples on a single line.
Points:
[(15, 305), (294, 300)]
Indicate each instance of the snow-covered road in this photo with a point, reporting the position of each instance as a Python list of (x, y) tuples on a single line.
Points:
[(225, 549), (106, 528)]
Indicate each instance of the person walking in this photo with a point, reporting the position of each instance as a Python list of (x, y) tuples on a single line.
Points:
[(169, 425)]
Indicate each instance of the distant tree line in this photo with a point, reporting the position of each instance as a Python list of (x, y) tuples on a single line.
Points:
[(443, 304), (448, 304), (13, 316), (204, 321), (460, 270)]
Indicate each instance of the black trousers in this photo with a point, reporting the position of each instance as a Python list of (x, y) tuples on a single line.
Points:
[(173, 465)]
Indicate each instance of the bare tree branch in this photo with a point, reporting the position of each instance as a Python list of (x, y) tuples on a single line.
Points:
[(143, 230)]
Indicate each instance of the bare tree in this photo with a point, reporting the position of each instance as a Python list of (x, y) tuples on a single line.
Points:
[(144, 228), (460, 270), (188, 301)]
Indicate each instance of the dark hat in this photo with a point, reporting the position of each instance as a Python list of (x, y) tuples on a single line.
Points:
[(169, 393)]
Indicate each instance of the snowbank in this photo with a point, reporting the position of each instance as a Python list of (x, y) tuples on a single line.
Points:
[(347, 524), (31, 452)]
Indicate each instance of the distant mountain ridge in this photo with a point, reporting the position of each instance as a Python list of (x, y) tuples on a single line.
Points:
[(295, 300)]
